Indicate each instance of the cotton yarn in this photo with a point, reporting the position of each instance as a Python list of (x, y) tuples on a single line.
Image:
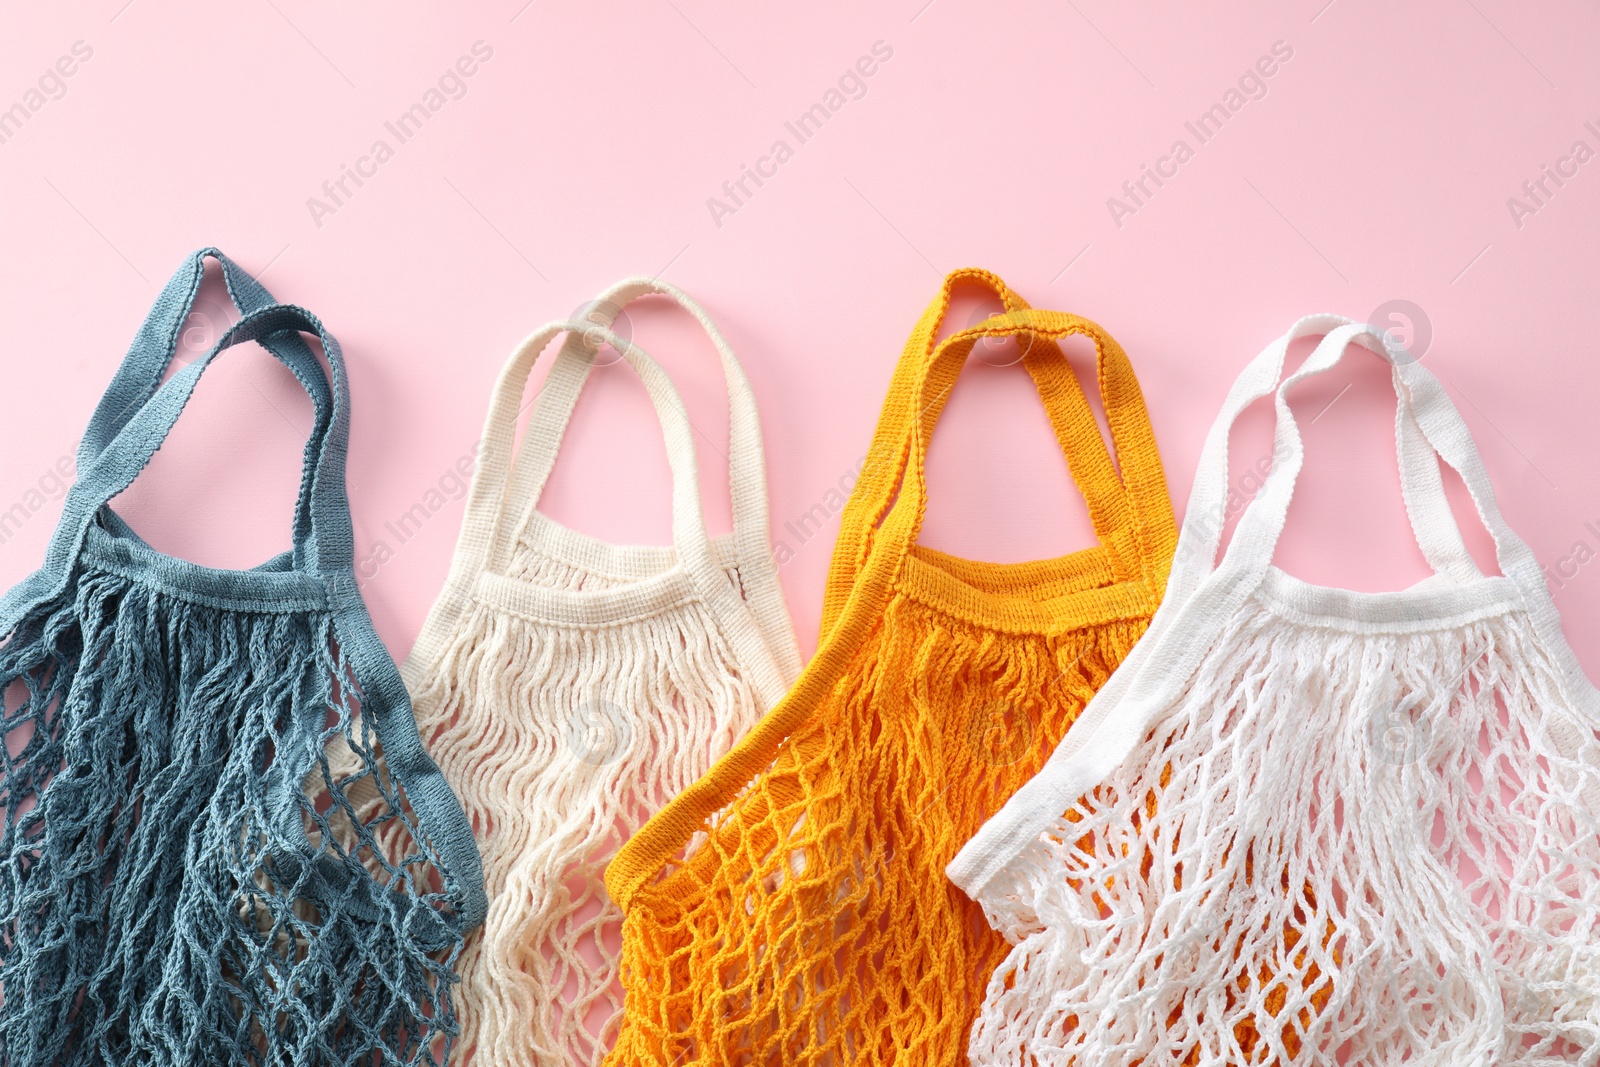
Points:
[(569, 688), (184, 878), (1311, 826), (789, 908)]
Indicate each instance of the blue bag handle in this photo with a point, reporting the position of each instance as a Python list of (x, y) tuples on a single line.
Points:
[(324, 547), (156, 344)]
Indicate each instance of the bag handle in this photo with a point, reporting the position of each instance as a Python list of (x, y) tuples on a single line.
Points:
[(155, 346), (325, 549), (1420, 443), (319, 547), (1131, 512), (1147, 510), (1432, 522), (1204, 591), (1431, 430), (487, 533), (885, 461), (1438, 424), (552, 413)]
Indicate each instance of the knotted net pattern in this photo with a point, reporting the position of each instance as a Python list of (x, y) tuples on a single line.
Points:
[(1335, 847), (161, 901), (810, 922), (561, 740)]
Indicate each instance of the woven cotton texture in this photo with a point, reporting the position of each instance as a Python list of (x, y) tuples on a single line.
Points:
[(570, 688), (790, 908), (1358, 829), (185, 878)]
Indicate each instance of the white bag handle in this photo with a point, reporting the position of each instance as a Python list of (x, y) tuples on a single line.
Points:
[(486, 538), (488, 533), (746, 455), (1422, 486), (1429, 428)]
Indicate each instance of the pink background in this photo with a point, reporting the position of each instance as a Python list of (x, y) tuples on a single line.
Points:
[(1375, 165)]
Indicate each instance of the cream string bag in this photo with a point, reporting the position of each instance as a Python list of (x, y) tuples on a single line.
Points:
[(568, 687), (1305, 825)]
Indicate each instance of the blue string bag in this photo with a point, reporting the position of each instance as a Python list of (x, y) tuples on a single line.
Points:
[(223, 842)]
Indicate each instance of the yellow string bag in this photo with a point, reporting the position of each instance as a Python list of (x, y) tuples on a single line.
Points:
[(791, 907)]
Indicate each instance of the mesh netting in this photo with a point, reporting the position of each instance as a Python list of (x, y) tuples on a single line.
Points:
[(1359, 846), (561, 740), (811, 921), (204, 858)]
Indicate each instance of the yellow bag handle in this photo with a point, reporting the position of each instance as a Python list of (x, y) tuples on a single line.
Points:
[(1119, 521), (1131, 512), (881, 472), (1138, 512)]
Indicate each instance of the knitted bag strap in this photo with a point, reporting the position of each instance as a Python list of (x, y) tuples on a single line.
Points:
[(1131, 513), (156, 344), (885, 461), (642, 857), (1431, 430), (488, 531), (323, 547), (552, 412), (1204, 590), (1421, 482)]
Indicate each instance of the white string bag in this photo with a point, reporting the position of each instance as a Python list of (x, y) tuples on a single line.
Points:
[(1305, 825), (568, 687)]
